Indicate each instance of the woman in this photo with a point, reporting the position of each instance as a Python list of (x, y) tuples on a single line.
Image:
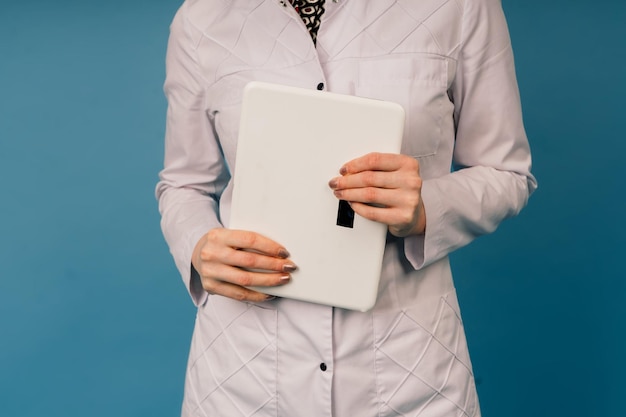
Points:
[(450, 64)]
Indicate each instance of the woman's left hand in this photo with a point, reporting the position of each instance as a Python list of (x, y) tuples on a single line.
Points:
[(385, 188)]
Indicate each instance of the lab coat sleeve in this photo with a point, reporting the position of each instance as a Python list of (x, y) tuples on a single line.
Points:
[(491, 180), (194, 173)]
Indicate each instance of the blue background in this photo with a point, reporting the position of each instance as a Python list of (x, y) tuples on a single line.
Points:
[(94, 320)]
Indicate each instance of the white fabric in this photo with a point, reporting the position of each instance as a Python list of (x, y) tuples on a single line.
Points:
[(450, 64)]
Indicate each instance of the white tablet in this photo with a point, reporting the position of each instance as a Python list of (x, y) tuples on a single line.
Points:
[(292, 141)]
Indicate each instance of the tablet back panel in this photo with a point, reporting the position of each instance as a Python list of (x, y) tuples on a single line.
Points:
[(291, 142)]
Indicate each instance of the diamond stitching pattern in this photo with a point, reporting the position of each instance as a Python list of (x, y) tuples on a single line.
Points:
[(227, 55), (237, 378), (409, 18), (431, 368)]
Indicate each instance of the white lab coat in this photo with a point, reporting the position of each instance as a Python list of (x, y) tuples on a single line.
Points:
[(450, 64)]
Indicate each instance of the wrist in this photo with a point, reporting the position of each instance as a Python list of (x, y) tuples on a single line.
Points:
[(420, 225)]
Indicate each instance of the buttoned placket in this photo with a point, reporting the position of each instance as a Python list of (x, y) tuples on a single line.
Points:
[(326, 366), (304, 343), (330, 8)]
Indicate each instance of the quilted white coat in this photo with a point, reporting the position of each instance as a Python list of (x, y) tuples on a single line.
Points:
[(450, 64)]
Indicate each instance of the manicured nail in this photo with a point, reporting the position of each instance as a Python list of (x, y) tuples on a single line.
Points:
[(343, 171), (283, 254), (270, 298), (289, 267), (333, 183), (285, 278)]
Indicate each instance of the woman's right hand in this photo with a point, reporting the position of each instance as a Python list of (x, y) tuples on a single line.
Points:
[(225, 260)]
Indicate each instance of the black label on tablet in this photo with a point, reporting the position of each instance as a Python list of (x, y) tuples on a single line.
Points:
[(345, 215)]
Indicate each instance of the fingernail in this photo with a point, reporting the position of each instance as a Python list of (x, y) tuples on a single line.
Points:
[(283, 254), (333, 183), (343, 171), (337, 193), (270, 298), (289, 268), (285, 278)]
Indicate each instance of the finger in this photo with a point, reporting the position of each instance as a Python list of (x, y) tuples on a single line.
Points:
[(379, 179), (399, 221), (371, 195), (376, 162), (237, 292), (214, 256), (242, 239), (212, 274), (254, 260), (377, 214)]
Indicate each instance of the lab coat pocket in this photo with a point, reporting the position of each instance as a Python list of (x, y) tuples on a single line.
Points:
[(422, 364), (419, 84), (232, 363)]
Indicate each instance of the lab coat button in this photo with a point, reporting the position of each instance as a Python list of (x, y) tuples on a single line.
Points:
[(323, 367), (320, 86)]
